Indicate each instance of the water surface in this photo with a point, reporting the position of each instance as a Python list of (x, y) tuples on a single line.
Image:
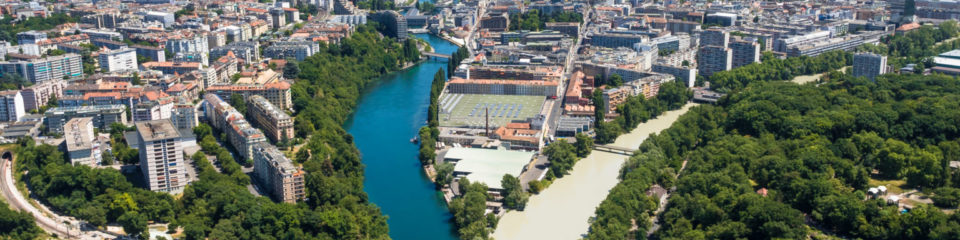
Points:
[(387, 116)]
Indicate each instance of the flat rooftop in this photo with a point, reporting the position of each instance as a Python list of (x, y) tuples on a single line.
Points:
[(77, 135), (946, 62), (157, 130), (469, 110), (487, 166), (955, 54)]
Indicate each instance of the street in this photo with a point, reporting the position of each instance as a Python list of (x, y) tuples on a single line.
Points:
[(16, 201)]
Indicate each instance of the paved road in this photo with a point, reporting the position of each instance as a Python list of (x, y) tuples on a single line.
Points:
[(56, 224), (16, 200)]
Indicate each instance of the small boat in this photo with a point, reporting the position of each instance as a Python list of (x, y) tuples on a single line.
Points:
[(415, 139)]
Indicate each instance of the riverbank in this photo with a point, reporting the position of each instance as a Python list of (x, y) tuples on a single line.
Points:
[(388, 114), (563, 210)]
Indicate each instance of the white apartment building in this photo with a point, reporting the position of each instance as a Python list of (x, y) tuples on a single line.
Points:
[(123, 59), (80, 142), (161, 156), (11, 106)]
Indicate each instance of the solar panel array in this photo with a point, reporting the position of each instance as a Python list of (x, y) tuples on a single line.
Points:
[(449, 101)]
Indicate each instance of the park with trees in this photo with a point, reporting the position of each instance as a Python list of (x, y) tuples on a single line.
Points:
[(814, 150)]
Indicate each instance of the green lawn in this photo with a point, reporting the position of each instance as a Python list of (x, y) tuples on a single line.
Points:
[(454, 113), (893, 186)]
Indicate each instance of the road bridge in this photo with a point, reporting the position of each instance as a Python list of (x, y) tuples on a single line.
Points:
[(435, 55)]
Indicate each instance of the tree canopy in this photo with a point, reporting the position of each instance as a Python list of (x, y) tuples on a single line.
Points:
[(774, 152)]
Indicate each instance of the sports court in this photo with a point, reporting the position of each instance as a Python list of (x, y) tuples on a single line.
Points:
[(468, 110)]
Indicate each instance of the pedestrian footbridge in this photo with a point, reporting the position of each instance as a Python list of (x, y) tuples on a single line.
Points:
[(614, 149)]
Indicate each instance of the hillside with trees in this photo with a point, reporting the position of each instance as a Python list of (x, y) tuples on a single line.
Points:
[(218, 205), (781, 160), (17, 225)]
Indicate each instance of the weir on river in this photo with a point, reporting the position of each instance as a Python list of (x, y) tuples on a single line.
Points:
[(388, 114)]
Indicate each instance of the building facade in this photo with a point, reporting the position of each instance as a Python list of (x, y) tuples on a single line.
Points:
[(869, 65), (715, 37), (11, 106), (745, 51), (276, 124), (161, 156), (40, 70), (184, 116), (278, 93), (277, 174), (713, 59), (80, 142), (395, 23), (39, 94), (615, 40), (298, 50), (502, 87), (103, 116), (123, 59)]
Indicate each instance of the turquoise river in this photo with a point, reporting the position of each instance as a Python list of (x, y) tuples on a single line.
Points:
[(388, 115)]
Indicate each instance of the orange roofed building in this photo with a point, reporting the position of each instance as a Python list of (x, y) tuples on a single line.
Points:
[(519, 136), (278, 93)]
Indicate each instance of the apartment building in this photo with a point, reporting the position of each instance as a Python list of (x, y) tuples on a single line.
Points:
[(11, 106), (275, 123), (745, 51), (713, 59), (277, 174), (39, 94), (103, 116), (39, 70), (184, 115), (80, 142), (161, 156), (298, 50), (869, 65), (123, 59), (241, 135), (278, 93), (715, 37)]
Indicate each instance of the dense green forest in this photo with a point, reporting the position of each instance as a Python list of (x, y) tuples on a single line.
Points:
[(533, 20), (814, 150), (9, 29), (218, 205), (17, 225)]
